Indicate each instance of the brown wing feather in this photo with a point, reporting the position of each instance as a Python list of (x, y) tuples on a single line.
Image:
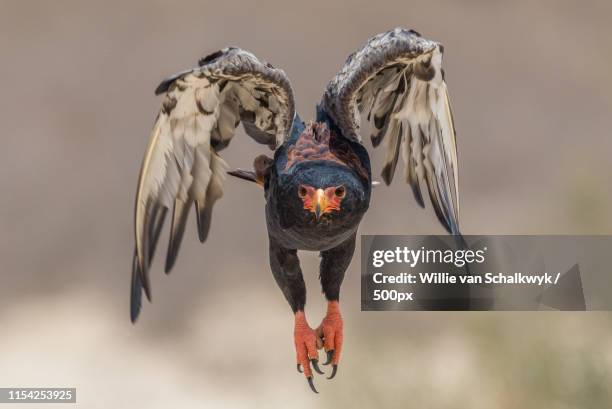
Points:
[(397, 80), (199, 114)]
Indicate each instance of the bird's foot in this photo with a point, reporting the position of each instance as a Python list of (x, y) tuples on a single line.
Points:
[(306, 348), (331, 331)]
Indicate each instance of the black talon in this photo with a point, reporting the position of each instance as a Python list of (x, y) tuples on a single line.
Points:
[(330, 356), (311, 383), (315, 365), (334, 370), (299, 368)]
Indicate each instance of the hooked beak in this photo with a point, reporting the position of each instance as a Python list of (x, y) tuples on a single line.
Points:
[(321, 203)]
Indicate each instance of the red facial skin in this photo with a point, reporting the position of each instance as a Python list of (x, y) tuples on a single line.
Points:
[(322, 201)]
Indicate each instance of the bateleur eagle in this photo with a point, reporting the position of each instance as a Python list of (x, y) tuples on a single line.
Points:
[(317, 186)]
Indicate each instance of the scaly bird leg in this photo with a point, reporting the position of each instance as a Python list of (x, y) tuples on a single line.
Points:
[(334, 263), (331, 331), (288, 275), (306, 347)]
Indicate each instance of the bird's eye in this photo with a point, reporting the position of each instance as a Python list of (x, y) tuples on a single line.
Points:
[(302, 192), (340, 192)]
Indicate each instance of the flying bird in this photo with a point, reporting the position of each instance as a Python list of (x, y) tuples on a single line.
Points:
[(317, 185)]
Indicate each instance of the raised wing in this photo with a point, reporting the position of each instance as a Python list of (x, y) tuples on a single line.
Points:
[(397, 79), (200, 112)]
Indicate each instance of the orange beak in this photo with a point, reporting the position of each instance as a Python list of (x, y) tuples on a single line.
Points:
[(320, 203)]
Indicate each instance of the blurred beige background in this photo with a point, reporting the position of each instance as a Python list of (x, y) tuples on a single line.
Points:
[(532, 94)]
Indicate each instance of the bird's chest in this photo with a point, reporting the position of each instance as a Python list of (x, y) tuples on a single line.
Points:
[(295, 227), (319, 235)]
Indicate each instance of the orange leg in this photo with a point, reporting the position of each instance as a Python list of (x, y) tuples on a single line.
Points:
[(305, 339), (331, 330)]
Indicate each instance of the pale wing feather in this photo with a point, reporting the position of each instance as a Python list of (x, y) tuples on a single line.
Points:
[(201, 109), (397, 79), (166, 170)]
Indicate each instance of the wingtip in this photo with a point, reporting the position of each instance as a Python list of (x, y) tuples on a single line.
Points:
[(170, 257), (451, 227), (455, 230), (177, 229), (418, 196), (202, 236), (135, 292), (134, 313), (144, 283), (387, 174), (202, 232), (204, 217), (147, 291), (162, 87), (168, 266)]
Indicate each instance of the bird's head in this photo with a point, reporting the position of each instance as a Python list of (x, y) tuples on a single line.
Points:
[(327, 194)]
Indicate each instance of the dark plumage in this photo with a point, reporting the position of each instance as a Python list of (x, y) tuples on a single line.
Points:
[(317, 187), (288, 223)]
